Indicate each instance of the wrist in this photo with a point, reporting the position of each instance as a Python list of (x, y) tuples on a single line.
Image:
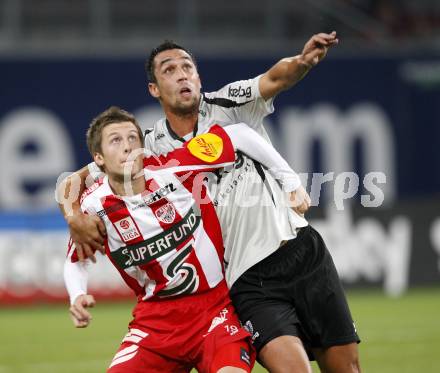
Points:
[(72, 216), (74, 297), (304, 63)]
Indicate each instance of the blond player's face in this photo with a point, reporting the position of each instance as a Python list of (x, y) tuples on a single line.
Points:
[(118, 141), (178, 82)]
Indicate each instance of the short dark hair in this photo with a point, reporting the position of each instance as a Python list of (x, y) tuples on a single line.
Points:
[(164, 46), (113, 114)]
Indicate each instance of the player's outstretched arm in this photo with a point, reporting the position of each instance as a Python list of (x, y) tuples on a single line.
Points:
[(87, 231), (246, 140), (290, 70), (253, 145)]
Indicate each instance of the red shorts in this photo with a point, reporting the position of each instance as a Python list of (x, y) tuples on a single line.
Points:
[(175, 335)]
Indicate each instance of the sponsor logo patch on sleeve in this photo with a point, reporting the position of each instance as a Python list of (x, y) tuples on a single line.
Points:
[(207, 147)]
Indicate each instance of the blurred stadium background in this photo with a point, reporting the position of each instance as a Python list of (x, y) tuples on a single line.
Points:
[(372, 106)]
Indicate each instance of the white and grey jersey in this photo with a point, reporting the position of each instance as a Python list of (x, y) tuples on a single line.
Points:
[(250, 204)]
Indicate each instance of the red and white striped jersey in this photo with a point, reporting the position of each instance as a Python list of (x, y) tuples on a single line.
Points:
[(167, 240)]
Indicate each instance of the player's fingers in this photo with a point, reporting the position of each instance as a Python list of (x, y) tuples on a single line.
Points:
[(299, 196), (320, 40), (304, 207), (307, 198), (75, 313), (95, 237), (300, 209), (79, 323), (102, 230), (97, 229), (82, 324), (102, 249), (80, 312), (80, 252), (301, 202), (99, 243), (327, 37), (74, 320), (89, 301), (89, 253), (95, 245), (295, 200)]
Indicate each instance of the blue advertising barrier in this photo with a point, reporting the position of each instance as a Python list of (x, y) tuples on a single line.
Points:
[(56, 100), (348, 116)]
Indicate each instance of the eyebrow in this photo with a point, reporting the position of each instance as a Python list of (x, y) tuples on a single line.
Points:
[(168, 59), (117, 133)]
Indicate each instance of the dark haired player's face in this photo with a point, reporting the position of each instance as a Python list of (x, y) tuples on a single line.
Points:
[(178, 82)]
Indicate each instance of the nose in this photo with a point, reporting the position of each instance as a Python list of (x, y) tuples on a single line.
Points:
[(127, 146), (181, 74)]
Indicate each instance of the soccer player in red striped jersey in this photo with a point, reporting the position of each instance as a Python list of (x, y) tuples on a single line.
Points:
[(164, 238)]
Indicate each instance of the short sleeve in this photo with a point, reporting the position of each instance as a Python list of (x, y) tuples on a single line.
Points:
[(245, 100)]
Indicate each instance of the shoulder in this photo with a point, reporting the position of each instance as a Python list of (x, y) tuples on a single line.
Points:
[(238, 92), (159, 141), (210, 148), (148, 137), (156, 132), (214, 146), (92, 194)]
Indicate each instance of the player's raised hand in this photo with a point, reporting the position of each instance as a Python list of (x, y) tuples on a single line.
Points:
[(316, 48), (79, 314), (88, 233), (300, 200)]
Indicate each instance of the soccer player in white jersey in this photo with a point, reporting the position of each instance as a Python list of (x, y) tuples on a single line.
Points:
[(282, 278), (164, 238)]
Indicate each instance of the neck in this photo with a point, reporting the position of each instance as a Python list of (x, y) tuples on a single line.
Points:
[(182, 124), (121, 188)]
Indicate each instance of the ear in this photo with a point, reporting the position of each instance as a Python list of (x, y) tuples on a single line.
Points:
[(154, 90), (200, 81), (99, 159)]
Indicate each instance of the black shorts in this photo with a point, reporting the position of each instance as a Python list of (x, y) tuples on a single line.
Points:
[(295, 291)]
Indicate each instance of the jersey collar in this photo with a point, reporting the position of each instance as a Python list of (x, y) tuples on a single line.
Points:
[(175, 136)]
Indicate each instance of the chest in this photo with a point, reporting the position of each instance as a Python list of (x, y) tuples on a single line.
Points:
[(132, 220)]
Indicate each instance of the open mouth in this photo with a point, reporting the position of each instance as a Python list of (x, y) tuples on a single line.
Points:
[(185, 91)]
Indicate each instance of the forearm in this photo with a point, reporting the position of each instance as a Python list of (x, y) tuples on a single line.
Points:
[(75, 278), (283, 75), (253, 145), (289, 71)]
